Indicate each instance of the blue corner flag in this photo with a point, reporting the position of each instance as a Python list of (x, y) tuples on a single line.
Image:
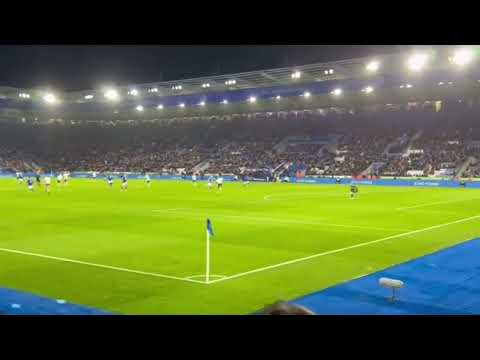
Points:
[(209, 227)]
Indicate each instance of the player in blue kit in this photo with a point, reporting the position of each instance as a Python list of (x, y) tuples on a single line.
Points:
[(30, 184), (110, 180)]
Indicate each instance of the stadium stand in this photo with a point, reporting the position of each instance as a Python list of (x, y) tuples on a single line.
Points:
[(406, 142)]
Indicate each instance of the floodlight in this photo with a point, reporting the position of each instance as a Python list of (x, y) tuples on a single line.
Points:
[(88, 97), (139, 108), (368, 90), (296, 75), (337, 92), (373, 66), (111, 94), (206, 85), (225, 102), (49, 98), (417, 62), (278, 97), (182, 105), (306, 94), (160, 107), (252, 99), (133, 92), (202, 103), (462, 57)]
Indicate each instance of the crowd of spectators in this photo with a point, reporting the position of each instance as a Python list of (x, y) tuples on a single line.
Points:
[(249, 142)]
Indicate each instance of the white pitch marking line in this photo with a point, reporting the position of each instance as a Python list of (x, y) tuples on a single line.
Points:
[(343, 249), (202, 276), (433, 203), (98, 265), (283, 221)]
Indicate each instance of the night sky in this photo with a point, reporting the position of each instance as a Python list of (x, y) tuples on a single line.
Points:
[(79, 67)]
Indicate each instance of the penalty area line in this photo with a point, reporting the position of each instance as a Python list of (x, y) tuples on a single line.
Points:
[(109, 267), (270, 267)]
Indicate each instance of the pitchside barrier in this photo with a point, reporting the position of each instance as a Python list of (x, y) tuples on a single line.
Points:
[(306, 180)]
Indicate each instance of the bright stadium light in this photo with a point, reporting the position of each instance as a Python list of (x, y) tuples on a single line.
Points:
[(462, 57), (206, 85), (306, 94), (88, 97), (201, 103), (24, 95), (177, 87), (337, 92), (368, 90), (278, 97), (182, 105), (296, 75), (225, 102), (329, 72), (111, 95), (160, 107), (139, 108), (133, 92), (417, 62), (49, 98), (373, 66), (230, 82), (252, 99), (153, 90)]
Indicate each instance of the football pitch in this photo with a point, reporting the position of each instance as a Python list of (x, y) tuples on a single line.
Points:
[(143, 251)]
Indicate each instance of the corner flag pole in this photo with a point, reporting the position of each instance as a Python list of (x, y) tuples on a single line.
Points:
[(207, 270)]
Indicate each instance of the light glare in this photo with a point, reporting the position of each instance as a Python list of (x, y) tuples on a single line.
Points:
[(417, 62), (463, 57), (337, 92), (368, 90), (49, 98), (373, 66), (111, 94)]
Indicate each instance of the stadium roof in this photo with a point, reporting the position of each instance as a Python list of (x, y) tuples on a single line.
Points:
[(438, 59)]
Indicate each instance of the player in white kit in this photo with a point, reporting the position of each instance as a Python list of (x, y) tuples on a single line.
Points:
[(219, 182), (47, 181), (66, 175)]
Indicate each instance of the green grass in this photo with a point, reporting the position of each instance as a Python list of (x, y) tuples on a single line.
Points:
[(263, 225)]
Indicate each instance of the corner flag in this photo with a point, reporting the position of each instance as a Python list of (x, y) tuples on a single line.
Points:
[(207, 260), (209, 227)]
